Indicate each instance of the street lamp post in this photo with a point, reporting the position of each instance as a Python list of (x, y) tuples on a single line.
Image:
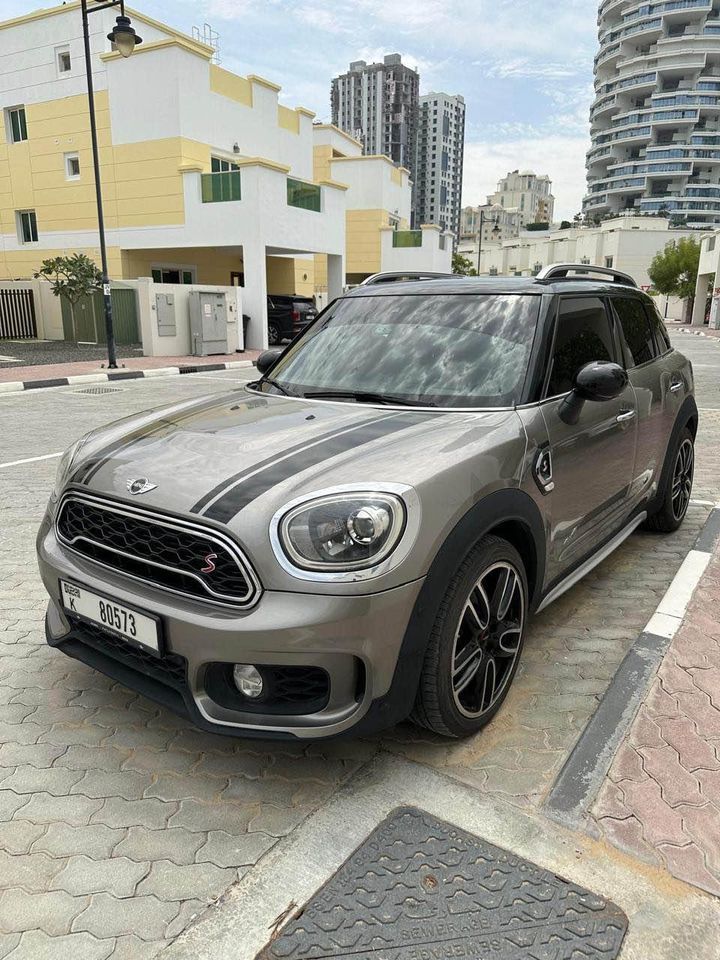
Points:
[(495, 231), (125, 40)]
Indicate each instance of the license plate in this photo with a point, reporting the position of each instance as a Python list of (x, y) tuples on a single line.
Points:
[(114, 617)]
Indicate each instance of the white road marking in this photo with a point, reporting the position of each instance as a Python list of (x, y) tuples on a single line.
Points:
[(668, 616), (9, 359), (17, 463), (703, 503)]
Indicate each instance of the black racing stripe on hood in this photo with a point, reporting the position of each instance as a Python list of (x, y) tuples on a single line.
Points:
[(243, 493), (263, 464)]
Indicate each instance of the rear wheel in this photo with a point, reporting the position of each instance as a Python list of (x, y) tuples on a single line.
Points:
[(476, 642), (273, 334), (676, 497)]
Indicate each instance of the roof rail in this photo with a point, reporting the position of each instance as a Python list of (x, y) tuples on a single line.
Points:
[(560, 271), (378, 278)]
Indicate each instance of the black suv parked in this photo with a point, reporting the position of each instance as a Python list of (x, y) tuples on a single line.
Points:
[(287, 316)]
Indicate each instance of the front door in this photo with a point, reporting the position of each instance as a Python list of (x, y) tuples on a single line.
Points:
[(593, 459)]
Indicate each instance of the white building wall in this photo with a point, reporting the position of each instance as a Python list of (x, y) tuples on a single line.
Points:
[(372, 185), (173, 86), (431, 257)]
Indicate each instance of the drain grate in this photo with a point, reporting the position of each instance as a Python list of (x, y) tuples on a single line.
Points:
[(421, 889), (97, 391)]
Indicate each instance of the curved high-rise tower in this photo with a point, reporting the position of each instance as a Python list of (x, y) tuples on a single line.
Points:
[(655, 120)]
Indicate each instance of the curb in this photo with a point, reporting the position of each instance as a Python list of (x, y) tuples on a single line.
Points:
[(19, 386), (576, 786)]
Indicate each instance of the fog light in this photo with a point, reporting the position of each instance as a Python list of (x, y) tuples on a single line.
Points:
[(248, 680)]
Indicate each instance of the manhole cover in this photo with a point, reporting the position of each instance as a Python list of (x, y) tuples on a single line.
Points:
[(421, 889), (96, 391)]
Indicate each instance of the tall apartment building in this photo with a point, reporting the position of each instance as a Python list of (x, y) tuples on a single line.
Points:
[(377, 104), (527, 193), (655, 121), (439, 166)]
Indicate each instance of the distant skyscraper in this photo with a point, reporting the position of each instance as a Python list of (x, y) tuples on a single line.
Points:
[(377, 103), (655, 121), (439, 166)]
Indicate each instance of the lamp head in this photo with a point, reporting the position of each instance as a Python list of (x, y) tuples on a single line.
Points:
[(123, 36)]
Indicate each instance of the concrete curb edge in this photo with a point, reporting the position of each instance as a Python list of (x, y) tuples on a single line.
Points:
[(578, 783), (20, 386)]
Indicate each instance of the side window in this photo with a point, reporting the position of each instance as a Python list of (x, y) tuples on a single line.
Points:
[(636, 330), (583, 335), (662, 338)]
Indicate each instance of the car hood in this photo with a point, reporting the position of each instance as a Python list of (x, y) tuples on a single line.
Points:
[(219, 456)]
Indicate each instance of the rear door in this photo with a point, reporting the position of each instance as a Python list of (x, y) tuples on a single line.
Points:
[(592, 460), (657, 375)]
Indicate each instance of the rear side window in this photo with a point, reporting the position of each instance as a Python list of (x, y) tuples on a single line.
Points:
[(637, 331), (659, 329), (583, 335)]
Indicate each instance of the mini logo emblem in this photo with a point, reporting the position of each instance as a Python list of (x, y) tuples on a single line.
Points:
[(141, 485), (209, 563)]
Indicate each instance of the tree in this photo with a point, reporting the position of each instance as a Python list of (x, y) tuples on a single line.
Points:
[(674, 271), (565, 225), (538, 225), (462, 266), (72, 277)]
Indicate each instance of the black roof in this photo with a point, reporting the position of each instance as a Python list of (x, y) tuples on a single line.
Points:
[(491, 285)]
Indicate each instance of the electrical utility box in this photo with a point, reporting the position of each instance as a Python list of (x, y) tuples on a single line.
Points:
[(165, 311), (208, 323)]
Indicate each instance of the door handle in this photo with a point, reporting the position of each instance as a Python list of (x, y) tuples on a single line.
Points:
[(676, 385), (624, 417)]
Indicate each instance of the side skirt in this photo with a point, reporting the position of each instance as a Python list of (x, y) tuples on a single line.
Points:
[(591, 562)]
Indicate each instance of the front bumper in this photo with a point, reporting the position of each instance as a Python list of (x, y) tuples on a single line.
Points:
[(356, 640)]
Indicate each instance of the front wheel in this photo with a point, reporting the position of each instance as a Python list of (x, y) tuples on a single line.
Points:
[(676, 497), (476, 642)]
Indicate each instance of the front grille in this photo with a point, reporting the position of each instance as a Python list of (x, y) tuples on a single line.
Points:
[(170, 669), (162, 551)]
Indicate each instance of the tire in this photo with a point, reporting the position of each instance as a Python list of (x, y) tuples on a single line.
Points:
[(678, 489), (273, 334), (452, 697)]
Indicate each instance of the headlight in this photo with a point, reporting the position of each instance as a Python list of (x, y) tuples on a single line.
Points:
[(64, 468), (343, 532)]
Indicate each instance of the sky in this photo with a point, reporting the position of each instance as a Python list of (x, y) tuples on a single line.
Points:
[(524, 67)]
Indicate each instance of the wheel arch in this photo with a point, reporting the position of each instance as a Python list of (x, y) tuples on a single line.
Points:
[(509, 513), (688, 416)]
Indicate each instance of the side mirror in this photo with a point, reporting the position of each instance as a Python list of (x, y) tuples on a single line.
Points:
[(598, 381), (267, 359)]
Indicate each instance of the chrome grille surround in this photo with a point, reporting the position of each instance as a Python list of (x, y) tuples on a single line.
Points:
[(177, 527)]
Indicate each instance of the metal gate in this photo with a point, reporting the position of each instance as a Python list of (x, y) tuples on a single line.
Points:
[(17, 315), (86, 323)]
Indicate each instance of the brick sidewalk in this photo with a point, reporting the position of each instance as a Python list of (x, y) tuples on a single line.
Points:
[(661, 799), (84, 367)]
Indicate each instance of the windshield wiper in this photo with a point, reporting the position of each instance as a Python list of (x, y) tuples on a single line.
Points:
[(363, 396), (273, 383)]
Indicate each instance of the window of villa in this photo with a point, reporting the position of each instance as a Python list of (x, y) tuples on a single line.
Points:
[(16, 124), (27, 226)]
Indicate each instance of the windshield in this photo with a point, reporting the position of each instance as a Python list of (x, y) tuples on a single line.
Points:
[(446, 350)]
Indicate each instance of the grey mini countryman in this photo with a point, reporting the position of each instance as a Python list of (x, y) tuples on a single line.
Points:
[(360, 535)]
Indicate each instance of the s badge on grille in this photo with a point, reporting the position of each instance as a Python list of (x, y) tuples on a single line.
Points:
[(141, 485)]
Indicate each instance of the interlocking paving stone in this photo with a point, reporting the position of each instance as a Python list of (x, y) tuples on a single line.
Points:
[(146, 917), (175, 844), (229, 851), (168, 881), (63, 840), (53, 912), (37, 945), (118, 876), (419, 887)]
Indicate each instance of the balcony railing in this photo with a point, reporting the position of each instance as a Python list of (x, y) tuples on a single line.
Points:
[(220, 187), (306, 196), (407, 238)]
